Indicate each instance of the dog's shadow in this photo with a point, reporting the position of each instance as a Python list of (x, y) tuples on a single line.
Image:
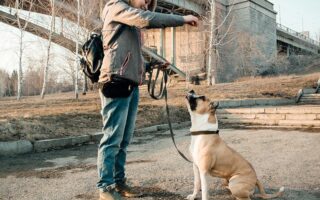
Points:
[(156, 193), (159, 194), (289, 194)]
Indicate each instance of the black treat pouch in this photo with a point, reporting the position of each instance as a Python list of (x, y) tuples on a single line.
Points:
[(118, 88)]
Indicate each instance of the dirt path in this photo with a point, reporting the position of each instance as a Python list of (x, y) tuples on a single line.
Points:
[(280, 158)]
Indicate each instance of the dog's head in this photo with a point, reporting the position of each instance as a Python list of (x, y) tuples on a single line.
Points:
[(200, 104), (202, 111)]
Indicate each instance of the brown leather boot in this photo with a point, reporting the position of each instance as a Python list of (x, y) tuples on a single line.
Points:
[(110, 195), (126, 191)]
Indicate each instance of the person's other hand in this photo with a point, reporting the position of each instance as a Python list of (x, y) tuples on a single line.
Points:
[(191, 20), (164, 66)]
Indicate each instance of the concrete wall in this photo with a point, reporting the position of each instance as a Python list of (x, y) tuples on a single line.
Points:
[(249, 45), (189, 47), (252, 37)]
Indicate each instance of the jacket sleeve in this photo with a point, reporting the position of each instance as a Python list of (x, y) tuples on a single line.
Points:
[(125, 14)]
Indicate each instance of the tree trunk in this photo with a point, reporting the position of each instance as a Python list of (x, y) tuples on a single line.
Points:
[(85, 85), (20, 79), (77, 52), (22, 29), (212, 49), (46, 67)]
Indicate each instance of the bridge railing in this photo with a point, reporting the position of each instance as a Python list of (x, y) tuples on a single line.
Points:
[(297, 34)]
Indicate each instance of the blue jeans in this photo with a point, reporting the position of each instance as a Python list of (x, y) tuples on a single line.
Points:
[(119, 117)]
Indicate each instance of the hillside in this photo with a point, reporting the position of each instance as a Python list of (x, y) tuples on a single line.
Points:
[(61, 115)]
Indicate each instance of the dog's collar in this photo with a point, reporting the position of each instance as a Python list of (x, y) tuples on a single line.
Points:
[(195, 133)]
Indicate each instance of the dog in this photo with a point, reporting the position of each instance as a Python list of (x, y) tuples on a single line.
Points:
[(212, 156)]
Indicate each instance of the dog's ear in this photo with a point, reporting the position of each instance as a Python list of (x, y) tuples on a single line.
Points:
[(214, 105)]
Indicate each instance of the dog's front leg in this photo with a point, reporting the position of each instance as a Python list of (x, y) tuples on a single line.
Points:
[(204, 176), (197, 183)]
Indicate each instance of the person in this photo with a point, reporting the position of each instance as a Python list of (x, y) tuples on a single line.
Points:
[(124, 59)]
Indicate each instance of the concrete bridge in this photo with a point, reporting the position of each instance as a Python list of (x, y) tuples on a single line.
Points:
[(287, 39), (290, 41)]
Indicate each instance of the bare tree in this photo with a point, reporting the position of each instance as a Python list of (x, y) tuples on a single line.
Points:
[(13, 83), (212, 49), (318, 37), (46, 67), (77, 61), (4, 83), (69, 70), (33, 78), (22, 28), (217, 38)]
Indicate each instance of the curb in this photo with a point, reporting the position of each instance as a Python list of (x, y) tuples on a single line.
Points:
[(255, 102), (15, 147), (26, 146), (45, 145)]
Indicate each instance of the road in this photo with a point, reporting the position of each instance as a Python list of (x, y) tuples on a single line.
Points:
[(280, 158)]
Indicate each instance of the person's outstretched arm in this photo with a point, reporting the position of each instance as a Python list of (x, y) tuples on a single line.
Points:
[(123, 13)]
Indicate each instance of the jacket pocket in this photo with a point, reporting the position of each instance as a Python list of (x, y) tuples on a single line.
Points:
[(125, 63)]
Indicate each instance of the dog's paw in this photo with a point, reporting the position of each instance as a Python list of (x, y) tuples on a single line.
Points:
[(191, 197)]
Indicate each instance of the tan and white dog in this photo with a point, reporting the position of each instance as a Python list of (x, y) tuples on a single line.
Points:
[(213, 157)]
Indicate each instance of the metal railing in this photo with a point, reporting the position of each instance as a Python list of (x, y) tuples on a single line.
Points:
[(301, 92), (297, 34)]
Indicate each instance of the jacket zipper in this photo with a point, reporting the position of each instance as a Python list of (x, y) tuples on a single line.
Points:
[(142, 65), (125, 64)]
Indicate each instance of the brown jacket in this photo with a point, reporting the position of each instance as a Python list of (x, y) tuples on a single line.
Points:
[(124, 56)]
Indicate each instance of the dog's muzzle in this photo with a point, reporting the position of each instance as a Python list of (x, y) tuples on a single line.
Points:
[(192, 99), (192, 95)]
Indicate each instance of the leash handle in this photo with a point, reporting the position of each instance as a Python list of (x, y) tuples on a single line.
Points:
[(152, 85)]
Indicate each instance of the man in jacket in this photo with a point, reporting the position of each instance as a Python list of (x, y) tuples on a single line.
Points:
[(123, 20)]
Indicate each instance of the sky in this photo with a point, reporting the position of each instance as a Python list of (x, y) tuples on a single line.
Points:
[(34, 50), (299, 15)]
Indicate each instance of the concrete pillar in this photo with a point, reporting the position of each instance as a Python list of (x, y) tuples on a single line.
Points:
[(162, 42), (62, 24), (173, 50)]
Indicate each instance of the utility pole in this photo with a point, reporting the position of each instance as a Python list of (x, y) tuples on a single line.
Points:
[(279, 15)]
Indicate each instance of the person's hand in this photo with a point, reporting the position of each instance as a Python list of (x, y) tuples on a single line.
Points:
[(158, 64), (191, 20), (164, 66)]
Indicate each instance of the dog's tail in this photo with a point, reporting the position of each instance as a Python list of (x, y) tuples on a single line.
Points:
[(264, 195)]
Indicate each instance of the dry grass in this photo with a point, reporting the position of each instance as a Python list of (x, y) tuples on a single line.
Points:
[(61, 115)]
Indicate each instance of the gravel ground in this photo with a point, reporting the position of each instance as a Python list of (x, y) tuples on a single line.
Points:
[(280, 158)]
